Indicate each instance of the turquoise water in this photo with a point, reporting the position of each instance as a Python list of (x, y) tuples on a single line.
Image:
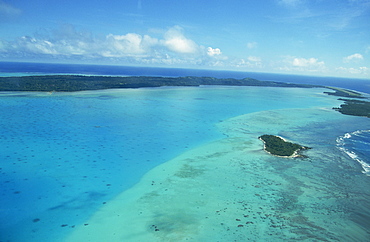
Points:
[(64, 155)]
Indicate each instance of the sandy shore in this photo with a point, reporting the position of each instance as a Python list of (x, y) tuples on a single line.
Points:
[(228, 190), (294, 155)]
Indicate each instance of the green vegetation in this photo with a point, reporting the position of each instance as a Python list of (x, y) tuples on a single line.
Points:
[(343, 93), (354, 107), (279, 147), (71, 83), (351, 106)]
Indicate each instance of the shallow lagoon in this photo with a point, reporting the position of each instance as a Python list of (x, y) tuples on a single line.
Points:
[(70, 160)]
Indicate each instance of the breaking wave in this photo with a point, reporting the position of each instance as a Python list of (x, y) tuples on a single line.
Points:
[(357, 146)]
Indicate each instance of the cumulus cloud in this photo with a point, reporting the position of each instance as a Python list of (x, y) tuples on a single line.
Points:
[(172, 48), (296, 64), (129, 44), (213, 52), (37, 46), (354, 57), (175, 41), (310, 62)]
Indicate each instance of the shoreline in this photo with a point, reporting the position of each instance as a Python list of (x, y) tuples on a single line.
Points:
[(73, 83), (294, 154)]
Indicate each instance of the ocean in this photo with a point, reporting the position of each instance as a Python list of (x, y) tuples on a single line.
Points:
[(181, 163)]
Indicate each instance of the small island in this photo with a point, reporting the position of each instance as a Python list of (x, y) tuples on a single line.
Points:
[(277, 146)]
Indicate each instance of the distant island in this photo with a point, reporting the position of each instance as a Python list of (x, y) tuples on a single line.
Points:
[(343, 93), (73, 83), (277, 146), (354, 107)]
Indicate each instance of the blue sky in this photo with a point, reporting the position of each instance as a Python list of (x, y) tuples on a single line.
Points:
[(308, 37)]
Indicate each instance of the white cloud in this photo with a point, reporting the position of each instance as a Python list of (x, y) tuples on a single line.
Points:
[(302, 62), (213, 52), (252, 45), (254, 58), (129, 44), (30, 44), (361, 70), (292, 64), (173, 48), (175, 41), (353, 57), (295, 64), (246, 64)]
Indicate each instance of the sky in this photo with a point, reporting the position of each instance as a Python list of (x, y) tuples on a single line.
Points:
[(304, 37)]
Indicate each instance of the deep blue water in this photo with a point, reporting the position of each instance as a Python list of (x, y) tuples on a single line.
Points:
[(362, 85), (357, 146)]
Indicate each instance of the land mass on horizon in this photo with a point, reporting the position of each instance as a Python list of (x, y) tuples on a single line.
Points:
[(74, 83)]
